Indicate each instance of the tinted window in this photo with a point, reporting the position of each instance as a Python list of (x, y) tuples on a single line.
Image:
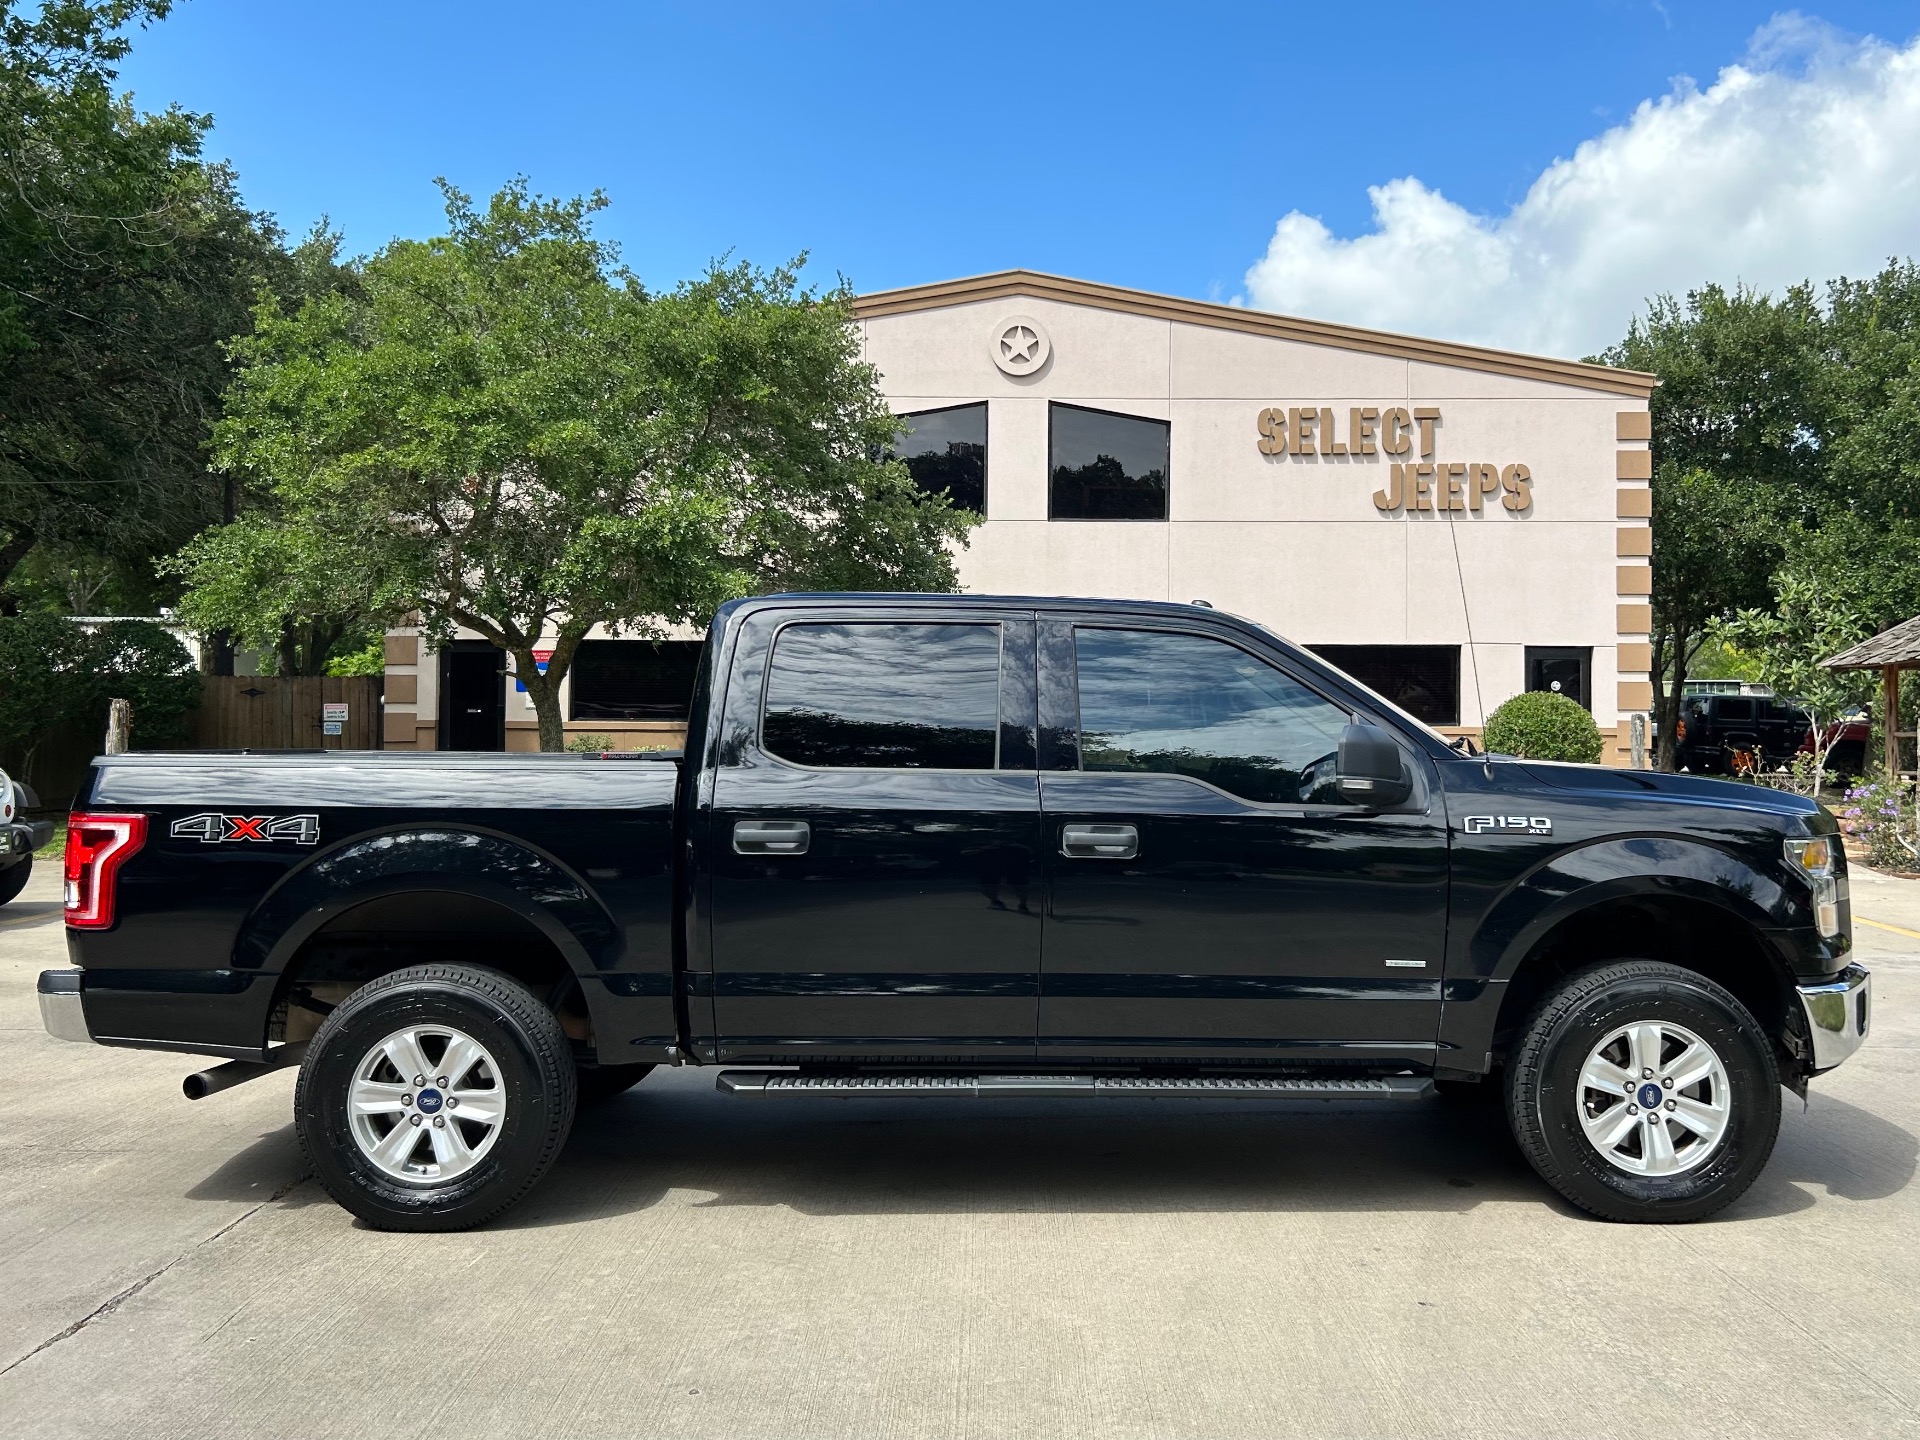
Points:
[(1105, 466), (1733, 709), (1187, 705), (885, 696), (947, 450), (1423, 680), (633, 679)]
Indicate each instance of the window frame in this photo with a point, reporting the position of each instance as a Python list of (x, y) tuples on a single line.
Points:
[(1582, 653), (573, 678), (986, 447), (998, 623), (1415, 801), (1166, 492), (1460, 662)]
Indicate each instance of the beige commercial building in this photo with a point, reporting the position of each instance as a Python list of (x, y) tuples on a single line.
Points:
[(1450, 523)]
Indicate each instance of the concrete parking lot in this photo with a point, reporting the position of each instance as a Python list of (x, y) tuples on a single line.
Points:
[(705, 1266)]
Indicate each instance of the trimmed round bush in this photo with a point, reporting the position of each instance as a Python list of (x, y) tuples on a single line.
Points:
[(1540, 725)]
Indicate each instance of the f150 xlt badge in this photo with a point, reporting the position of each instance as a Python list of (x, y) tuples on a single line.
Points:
[(210, 827), (1508, 824)]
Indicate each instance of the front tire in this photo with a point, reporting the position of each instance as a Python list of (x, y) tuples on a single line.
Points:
[(435, 1097), (13, 879), (1644, 1092)]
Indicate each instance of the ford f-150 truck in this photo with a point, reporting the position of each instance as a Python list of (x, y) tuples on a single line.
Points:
[(959, 846)]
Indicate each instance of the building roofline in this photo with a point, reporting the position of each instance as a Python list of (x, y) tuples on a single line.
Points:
[(1006, 284)]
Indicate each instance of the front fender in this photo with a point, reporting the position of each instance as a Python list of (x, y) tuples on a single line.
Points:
[(1498, 921), (1553, 892)]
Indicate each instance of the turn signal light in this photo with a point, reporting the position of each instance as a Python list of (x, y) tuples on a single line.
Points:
[(97, 846)]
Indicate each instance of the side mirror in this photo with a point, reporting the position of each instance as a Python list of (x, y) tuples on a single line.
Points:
[(1370, 769)]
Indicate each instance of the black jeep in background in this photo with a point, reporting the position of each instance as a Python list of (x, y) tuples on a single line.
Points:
[(1738, 734)]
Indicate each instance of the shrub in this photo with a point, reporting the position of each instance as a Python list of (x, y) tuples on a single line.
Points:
[(1881, 817), (55, 673), (589, 744), (1540, 725)]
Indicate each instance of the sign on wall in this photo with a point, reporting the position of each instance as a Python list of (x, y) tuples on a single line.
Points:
[(1413, 484)]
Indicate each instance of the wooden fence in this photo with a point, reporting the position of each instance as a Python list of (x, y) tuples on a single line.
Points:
[(262, 712)]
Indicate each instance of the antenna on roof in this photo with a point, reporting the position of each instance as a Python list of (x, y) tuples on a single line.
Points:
[(1473, 653)]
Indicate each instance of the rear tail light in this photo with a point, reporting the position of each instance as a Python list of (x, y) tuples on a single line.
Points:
[(97, 846)]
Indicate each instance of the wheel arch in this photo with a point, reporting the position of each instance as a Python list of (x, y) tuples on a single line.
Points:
[(382, 901), (1703, 932), (1675, 899)]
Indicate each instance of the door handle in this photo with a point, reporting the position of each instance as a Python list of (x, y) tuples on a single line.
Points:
[(771, 837), (1099, 842)]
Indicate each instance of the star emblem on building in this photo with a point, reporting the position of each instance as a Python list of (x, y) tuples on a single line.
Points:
[(1018, 344)]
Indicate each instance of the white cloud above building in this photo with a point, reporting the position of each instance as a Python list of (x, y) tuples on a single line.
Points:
[(1800, 162)]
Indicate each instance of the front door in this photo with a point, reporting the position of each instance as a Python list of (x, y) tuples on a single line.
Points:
[(473, 699), (1210, 896), (873, 838)]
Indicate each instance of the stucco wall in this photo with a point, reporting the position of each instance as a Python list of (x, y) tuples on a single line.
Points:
[(1296, 542)]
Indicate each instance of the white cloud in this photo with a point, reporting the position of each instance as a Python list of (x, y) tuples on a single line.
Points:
[(1803, 162)]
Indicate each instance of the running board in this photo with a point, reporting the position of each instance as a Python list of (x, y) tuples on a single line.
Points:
[(1205, 1087)]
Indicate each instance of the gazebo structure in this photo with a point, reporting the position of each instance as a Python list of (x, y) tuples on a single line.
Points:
[(1889, 652)]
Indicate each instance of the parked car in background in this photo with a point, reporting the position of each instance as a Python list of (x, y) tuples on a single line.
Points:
[(1848, 738), (19, 837), (1738, 734)]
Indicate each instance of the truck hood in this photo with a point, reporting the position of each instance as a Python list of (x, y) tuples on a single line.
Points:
[(1691, 789)]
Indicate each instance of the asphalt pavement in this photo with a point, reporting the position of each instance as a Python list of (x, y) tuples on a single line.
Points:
[(699, 1265)]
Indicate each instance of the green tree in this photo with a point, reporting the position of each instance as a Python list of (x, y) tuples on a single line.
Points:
[(126, 263), (302, 595), (54, 673), (1740, 421), (510, 435), (1836, 586)]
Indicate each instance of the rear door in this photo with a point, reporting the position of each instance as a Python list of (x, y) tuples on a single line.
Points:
[(1210, 897), (874, 838)]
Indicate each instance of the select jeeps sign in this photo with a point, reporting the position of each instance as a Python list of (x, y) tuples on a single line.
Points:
[(1422, 484), (212, 827)]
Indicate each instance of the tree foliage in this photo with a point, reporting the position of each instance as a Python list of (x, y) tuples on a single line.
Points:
[(126, 264), (55, 673), (510, 435), (1738, 424)]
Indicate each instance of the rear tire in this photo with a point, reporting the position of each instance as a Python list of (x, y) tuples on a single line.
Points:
[(397, 1148), (13, 879), (1697, 1107)]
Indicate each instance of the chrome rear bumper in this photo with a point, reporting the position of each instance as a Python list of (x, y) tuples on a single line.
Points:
[(1837, 1015), (61, 1006)]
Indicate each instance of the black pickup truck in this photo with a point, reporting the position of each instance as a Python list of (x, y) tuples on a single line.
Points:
[(939, 845)]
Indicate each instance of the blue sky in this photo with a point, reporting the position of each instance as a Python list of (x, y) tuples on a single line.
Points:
[(1151, 146)]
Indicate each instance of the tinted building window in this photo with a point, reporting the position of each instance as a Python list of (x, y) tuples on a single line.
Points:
[(885, 696), (634, 679), (1561, 670), (1169, 704), (1423, 680), (947, 450), (1105, 466)]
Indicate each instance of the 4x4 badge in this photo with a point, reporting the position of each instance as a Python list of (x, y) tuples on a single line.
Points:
[(1510, 824), (210, 827)]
